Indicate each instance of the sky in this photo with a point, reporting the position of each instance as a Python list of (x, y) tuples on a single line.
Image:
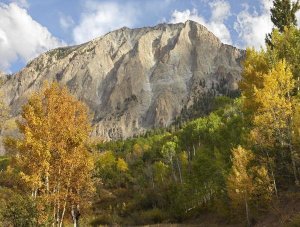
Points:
[(31, 27)]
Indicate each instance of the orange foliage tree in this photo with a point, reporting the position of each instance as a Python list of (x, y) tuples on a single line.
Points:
[(52, 154)]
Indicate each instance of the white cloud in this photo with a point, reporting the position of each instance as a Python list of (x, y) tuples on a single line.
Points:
[(21, 3), (220, 11), (65, 22), (99, 18), (253, 27), (21, 37), (266, 4), (182, 16), (297, 15)]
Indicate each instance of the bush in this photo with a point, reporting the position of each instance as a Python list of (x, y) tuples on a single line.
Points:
[(16, 209)]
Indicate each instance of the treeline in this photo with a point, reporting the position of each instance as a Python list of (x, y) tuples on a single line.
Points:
[(232, 166)]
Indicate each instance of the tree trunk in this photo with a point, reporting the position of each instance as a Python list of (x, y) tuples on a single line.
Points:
[(75, 212), (173, 172), (152, 179), (63, 214), (54, 214), (58, 212), (47, 184), (194, 150), (179, 170), (247, 211), (189, 161), (294, 167), (274, 183), (272, 174)]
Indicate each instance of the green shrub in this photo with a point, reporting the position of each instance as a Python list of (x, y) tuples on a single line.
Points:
[(17, 210)]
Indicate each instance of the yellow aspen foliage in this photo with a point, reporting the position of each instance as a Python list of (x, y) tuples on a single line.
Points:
[(274, 106), (246, 183), (52, 153), (255, 67), (268, 90), (240, 184), (122, 165), (137, 150), (183, 157), (160, 171), (106, 160)]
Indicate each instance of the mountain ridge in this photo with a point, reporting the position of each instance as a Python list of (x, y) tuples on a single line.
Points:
[(134, 80)]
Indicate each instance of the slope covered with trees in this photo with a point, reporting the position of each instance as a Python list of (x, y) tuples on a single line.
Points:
[(236, 166)]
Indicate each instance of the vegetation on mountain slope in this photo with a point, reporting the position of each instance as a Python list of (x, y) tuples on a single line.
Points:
[(238, 165)]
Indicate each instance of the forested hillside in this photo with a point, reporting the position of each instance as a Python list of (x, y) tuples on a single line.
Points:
[(236, 166)]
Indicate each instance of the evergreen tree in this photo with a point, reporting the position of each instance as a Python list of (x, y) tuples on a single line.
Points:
[(283, 14)]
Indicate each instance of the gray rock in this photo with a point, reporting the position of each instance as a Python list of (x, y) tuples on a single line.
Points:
[(134, 79)]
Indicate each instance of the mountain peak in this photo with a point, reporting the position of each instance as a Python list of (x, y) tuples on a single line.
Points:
[(134, 80)]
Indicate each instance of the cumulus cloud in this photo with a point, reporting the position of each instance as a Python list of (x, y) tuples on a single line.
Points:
[(220, 11), (21, 37), (99, 18), (297, 15), (65, 22), (253, 27), (21, 3)]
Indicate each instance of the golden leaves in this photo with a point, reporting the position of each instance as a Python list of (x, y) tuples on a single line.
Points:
[(52, 153), (274, 105)]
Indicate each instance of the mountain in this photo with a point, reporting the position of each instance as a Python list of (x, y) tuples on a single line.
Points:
[(135, 79)]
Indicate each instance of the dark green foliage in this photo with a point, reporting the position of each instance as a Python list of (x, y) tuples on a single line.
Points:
[(283, 13)]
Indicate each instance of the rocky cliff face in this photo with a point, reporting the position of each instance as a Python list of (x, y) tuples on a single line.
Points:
[(135, 79)]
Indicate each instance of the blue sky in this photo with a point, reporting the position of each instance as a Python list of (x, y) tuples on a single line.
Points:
[(31, 27)]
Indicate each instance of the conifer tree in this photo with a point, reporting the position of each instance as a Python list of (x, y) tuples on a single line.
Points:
[(283, 15)]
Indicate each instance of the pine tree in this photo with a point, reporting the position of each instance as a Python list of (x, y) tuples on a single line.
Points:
[(283, 15)]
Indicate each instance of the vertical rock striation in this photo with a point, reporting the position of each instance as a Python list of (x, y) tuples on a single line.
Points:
[(135, 79)]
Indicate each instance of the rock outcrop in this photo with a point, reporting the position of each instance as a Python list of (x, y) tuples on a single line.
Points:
[(135, 79)]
